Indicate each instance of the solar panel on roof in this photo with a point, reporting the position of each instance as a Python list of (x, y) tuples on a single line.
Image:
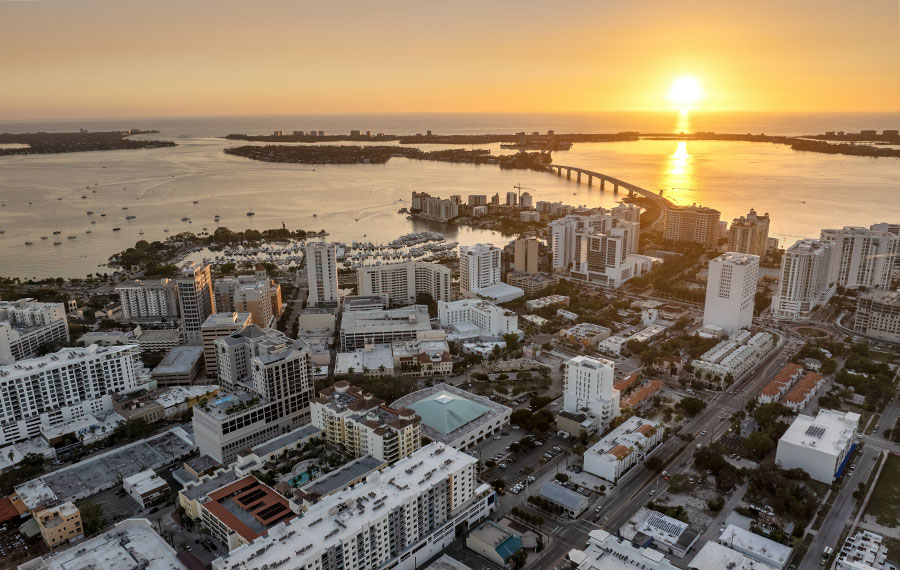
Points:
[(815, 431)]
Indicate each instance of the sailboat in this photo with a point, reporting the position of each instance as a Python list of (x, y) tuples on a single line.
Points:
[(250, 212)]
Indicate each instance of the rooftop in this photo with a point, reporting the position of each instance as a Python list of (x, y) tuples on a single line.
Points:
[(715, 555), (784, 377), (755, 546), (144, 481), (285, 440), (803, 387), (829, 432), (343, 476), (456, 407), (63, 357), (562, 496), (209, 483), (883, 296), (248, 507), (180, 360), (225, 319)]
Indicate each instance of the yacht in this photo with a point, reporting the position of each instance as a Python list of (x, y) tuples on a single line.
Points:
[(185, 219), (90, 212), (44, 237), (71, 237), (251, 213), (102, 215), (57, 242), (56, 232), (117, 229), (130, 217), (89, 231), (29, 243)]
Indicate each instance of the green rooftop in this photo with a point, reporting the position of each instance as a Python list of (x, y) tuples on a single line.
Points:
[(446, 412)]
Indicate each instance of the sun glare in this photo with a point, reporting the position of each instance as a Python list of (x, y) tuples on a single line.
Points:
[(685, 93)]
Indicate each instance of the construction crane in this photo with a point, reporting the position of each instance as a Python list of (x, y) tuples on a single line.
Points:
[(519, 187)]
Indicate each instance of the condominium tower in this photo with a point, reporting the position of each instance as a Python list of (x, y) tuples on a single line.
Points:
[(195, 298), (693, 224), (479, 268), (861, 257), (399, 283), (805, 280), (26, 325), (588, 389), (151, 300), (321, 271), (730, 292), (749, 234)]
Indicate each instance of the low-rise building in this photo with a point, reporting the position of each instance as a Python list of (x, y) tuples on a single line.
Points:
[(783, 381), (132, 543), (585, 334), (494, 542), (756, 547), (146, 487), (567, 315), (622, 448), (535, 320), (474, 318), (731, 359), (429, 355), (455, 417), (545, 302), (60, 525), (182, 366), (666, 533), (642, 396), (359, 328), (571, 504), (804, 391), (715, 555), (864, 550), (819, 445), (607, 551), (369, 360), (532, 283)]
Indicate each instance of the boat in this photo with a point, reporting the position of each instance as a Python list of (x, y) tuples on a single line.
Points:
[(57, 243), (216, 219), (90, 212), (102, 215), (93, 221), (89, 231), (130, 217), (124, 207), (29, 243), (196, 202), (117, 229), (56, 232), (141, 233), (315, 215), (185, 219), (166, 230), (71, 237), (251, 213), (44, 237)]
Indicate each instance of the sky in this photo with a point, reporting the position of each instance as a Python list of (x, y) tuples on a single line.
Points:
[(137, 58)]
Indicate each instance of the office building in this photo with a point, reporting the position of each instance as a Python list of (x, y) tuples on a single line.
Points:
[(60, 525), (255, 294), (195, 299), (878, 315), (359, 328), (531, 284), (805, 280), (321, 272), (694, 224), (622, 448), (399, 283), (455, 417), (27, 325), (479, 268), (604, 259), (861, 257), (399, 518), (217, 326), (65, 385), (132, 543), (363, 425), (588, 389), (749, 234), (819, 445), (526, 255), (730, 291), (864, 550), (267, 381), (181, 366), (474, 318), (149, 300), (434, 207)]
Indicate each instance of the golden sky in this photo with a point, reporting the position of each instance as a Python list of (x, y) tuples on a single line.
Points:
[(134, 58)]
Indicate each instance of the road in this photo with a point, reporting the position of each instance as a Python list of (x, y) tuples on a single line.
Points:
[(639, 485)]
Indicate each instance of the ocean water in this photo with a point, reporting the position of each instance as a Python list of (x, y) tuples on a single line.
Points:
[(803, 192)]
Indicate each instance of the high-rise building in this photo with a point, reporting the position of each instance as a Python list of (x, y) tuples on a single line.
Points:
[(627, 212), (216, 326), (861, 257), (878, 315), (603, 258), (477, 200), (526, 200), (730, 292), (362, 425), (749, 234), (434, 207), (891, 229), (26, 325), (195, 299), (588, 389), (479, 268), (65, 385), (399, 283), (562, 242), (495, 200), (526, 254), (321, 271), (805, 280), (148, 300), (255, 294), (267, 380), (399, 518), (695, 224), (512, 199)]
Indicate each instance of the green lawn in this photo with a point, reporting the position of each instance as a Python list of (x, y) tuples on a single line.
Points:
[(885, 502)]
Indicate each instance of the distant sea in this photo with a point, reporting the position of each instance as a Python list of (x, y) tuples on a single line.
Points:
[(803, 192)]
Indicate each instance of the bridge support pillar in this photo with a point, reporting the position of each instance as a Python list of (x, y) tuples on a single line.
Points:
[(568, 174), (558, 171), (631, 193), (579, 176), (590, 180), (615, 188), (603, 184)]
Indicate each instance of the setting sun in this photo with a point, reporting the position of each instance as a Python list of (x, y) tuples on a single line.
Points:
[(685, 92)]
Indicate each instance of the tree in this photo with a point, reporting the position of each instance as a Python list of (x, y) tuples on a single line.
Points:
[(562, 477), (423, 298), (654, 464), (759, 444), (517, 561), (691, 406), (716, 504), (92, 519)]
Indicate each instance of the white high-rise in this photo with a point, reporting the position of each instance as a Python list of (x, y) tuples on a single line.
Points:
[(805, 280), (562, 242), (588, 389), (730, 291), (26, 325), (861, 257), (479, 268), (65, 385), (195, 298), (400, 282), (153, 300), (321, 271)]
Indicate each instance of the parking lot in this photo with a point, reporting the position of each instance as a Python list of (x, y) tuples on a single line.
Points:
[(15, 549)]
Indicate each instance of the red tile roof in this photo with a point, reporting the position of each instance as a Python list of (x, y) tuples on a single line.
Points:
[(253, 497), (782, 379), (804, 386), (626, 383), (648, 390)]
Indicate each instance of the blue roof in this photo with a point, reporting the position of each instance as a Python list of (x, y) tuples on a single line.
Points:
[(446, 412), (509, 547)]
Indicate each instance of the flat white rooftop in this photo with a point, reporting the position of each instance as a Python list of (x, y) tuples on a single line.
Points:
[(713, 555), (829, 432)]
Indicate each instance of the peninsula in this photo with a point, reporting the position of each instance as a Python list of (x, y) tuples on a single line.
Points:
[(80, 141)]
